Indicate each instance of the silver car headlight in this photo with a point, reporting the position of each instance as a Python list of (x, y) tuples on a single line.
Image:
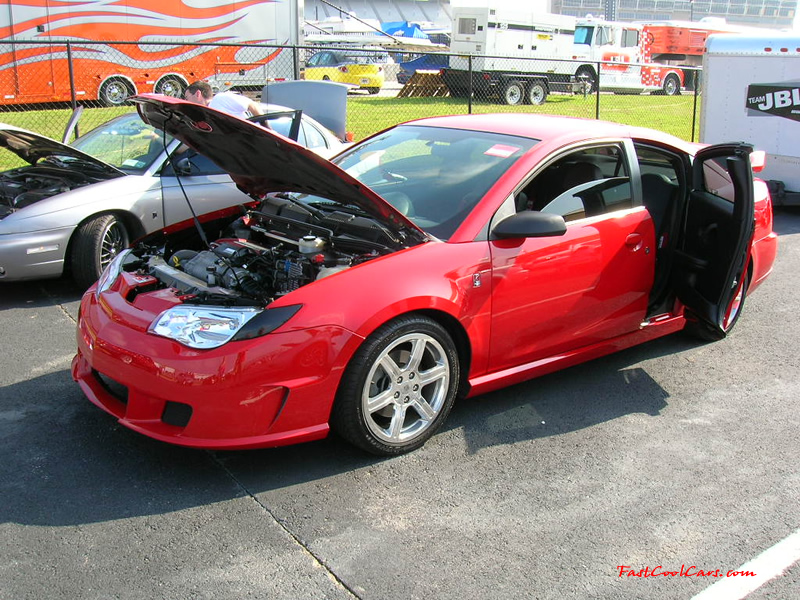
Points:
[(112, 271), (206, 327), (202, 327)]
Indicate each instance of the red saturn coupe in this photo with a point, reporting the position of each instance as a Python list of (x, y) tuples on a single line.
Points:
[(438, 259)]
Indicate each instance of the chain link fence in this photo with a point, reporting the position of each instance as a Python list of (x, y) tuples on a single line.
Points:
[(42, 82)]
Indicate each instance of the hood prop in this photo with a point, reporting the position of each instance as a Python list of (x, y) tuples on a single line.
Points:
[(178, 177)]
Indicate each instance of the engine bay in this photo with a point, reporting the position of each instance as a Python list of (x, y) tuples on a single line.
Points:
[(263, 255), (27, 185)]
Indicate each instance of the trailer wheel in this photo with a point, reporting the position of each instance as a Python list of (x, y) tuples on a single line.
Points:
[(171, 86), (514, 93), (537, 92), (671, 85), (115, 92)]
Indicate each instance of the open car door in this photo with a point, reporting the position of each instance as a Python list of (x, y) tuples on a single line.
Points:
[(711, 271)]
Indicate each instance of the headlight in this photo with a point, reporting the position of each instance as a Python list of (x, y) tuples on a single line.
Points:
[(111, 273), (206, 327)]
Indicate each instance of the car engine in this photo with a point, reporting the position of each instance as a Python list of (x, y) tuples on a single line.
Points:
[(27, 185), (263, 255)]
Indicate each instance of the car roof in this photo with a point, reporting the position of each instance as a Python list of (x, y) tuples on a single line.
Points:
[(550, 128)]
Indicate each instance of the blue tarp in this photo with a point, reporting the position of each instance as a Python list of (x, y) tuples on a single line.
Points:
[(403, 29)]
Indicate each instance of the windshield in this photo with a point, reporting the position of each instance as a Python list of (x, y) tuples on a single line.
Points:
[(434, 176), (583, 35), (126, 142)]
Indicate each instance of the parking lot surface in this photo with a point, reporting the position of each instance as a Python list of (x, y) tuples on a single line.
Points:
[(676, 456)]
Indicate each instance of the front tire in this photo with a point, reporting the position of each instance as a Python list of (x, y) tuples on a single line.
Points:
[(513, 93), (95, 245), (398, 388), (671, 85), (587, 77), (115, 92)]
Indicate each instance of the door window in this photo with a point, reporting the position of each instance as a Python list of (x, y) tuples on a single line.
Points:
[(586, 183)]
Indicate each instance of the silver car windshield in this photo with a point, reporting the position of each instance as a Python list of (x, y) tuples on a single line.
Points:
[(126, 142), (434, 176)]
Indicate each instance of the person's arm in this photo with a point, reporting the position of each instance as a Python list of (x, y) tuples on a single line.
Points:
[(254, 109)]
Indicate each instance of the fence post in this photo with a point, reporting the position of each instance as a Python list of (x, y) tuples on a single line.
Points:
[(694, 107), (295, 63), (469, 86), (72, 101), (597, 95)]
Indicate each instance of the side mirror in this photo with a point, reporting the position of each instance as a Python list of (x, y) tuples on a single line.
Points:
[(528, 224), (183, 167)]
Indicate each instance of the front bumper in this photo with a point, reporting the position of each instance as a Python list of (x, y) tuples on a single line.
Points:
[(268, 391), (33, 255)]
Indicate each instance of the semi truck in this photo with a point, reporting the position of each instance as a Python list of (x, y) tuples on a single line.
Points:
[(751, 92), (55, 51)]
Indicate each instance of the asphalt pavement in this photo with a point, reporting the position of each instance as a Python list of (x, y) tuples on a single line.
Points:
[(673, 456)]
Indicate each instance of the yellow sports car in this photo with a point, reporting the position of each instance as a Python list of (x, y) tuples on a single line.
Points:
[(358, 69)]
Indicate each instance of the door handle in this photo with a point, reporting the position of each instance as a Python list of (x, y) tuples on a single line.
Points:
[(634, 241)]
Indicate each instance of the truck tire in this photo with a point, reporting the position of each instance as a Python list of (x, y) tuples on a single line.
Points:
[(514, 93), (115, 92), (171, 86), (536, 92), (588, 75), (671, 85)]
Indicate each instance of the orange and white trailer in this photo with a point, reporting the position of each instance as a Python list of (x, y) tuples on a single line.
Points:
[(118, 49)]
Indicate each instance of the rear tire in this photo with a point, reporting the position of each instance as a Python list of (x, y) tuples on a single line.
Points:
[(373, 90), (398, 388), (537, 93), (95, 245)]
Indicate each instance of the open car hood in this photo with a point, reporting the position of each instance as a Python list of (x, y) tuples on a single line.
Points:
[(32, 147), (260, 161)]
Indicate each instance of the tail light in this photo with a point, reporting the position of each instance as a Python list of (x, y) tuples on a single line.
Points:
[(758, 160), (343, 69)]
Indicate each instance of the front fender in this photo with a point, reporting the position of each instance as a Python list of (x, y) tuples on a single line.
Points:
[(435, 276)]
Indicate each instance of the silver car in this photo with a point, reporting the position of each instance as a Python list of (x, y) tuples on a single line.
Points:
[(72, 208)]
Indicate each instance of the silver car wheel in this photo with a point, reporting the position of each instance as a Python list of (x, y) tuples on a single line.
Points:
[(114, 241), (399, 387), (406, 388)]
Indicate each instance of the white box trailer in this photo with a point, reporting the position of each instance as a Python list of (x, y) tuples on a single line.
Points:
[(497, 41), (751, 92)]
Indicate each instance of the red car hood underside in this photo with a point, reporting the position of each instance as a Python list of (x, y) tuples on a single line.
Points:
[(261, 161)]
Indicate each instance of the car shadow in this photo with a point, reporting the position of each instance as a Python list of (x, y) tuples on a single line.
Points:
[(65, 462), (570, 400), (786, 220), (39, 294)]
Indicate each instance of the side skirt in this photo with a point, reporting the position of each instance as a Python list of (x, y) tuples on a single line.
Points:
[(649, 330)]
